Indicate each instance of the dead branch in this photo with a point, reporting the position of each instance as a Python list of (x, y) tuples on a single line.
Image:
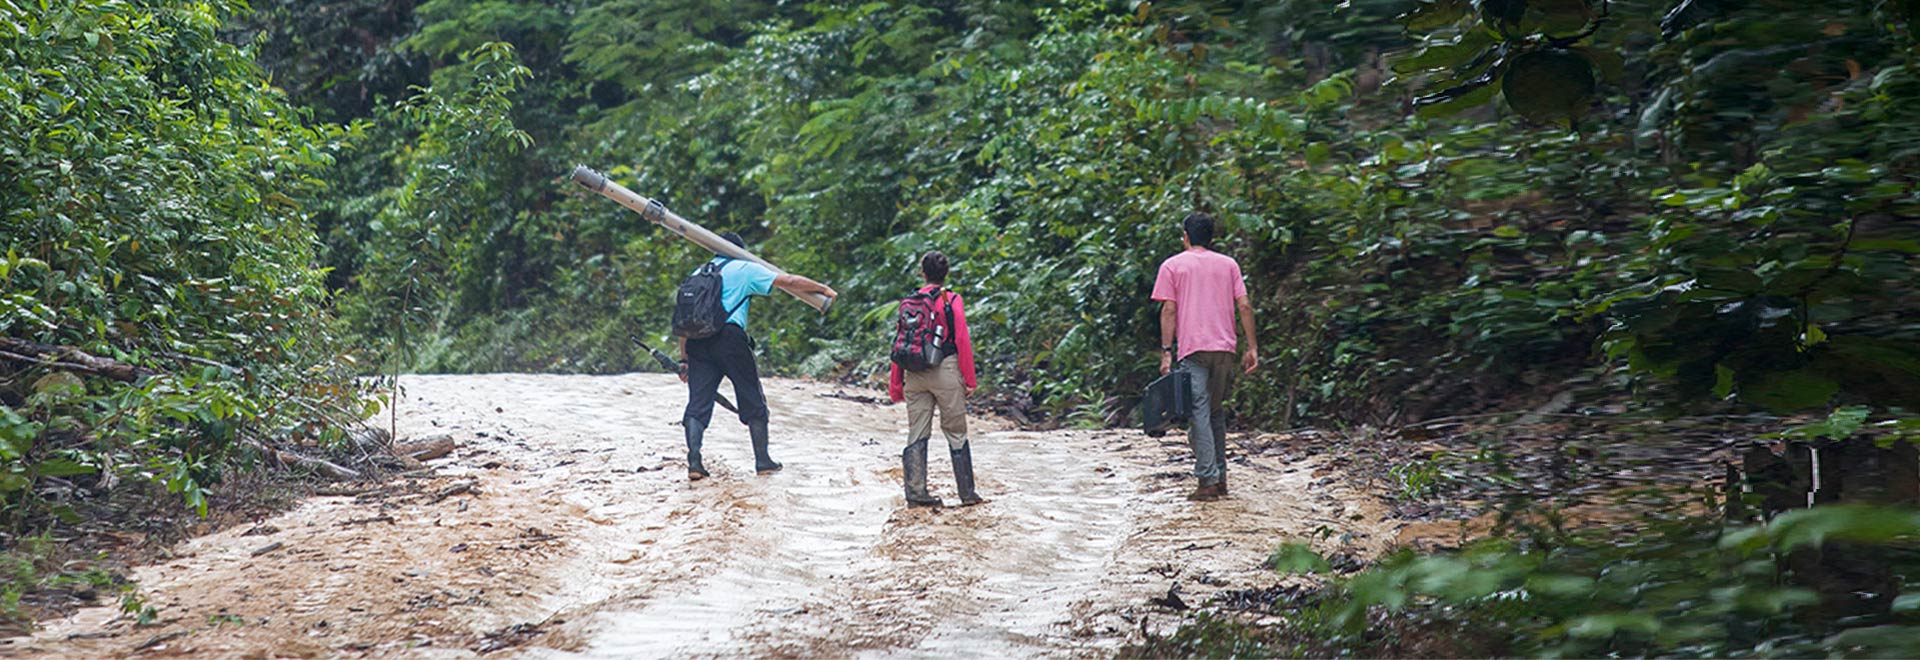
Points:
[(68, 357), (450, 491), (157, 640), (336, 417), (318, 465), (367, 521)]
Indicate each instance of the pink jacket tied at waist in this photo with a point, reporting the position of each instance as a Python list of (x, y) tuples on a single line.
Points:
[(962, 340)]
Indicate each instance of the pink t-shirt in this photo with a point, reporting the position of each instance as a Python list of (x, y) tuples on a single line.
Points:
[(1203, 286)]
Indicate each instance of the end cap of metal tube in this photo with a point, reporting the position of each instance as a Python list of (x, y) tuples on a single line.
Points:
[(585, 176)]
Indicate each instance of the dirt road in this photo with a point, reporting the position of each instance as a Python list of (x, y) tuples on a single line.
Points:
[(564, 527)]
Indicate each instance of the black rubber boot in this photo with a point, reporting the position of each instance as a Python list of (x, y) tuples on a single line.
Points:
[(695, 432), (762, 463), (963, 475), (913, 466)]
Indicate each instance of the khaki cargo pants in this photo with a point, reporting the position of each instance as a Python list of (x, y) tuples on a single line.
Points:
[(939, 387)]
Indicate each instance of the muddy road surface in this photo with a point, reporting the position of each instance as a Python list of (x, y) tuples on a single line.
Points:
[(563, 526)]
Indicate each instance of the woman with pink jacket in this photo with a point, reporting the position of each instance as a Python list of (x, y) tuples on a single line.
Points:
[(944, 387)]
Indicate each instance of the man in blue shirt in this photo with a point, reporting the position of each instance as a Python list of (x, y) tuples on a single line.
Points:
[(730, 354)]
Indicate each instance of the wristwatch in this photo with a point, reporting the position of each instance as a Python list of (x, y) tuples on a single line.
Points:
[(1166, 349)]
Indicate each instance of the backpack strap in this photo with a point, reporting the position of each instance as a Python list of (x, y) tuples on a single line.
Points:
[(717, 267), (940, 293)]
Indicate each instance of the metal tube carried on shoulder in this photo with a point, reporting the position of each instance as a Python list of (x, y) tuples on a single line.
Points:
[(658, 214)]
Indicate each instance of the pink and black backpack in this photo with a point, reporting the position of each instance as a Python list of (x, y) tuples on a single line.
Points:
[(920, 340)]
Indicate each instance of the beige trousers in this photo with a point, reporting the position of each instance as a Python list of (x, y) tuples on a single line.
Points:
[(939, 387)]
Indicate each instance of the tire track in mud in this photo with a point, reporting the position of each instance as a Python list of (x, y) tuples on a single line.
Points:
[(584, 532)]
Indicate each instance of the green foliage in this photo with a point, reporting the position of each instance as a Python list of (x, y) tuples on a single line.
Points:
[(1839, 425), (1676, 587), (37, 565), (1771, 263), (1521, 45), (1718, 232), (1422, 478), (1214, 636), (1718, 211), (438, 235), (1295, 557), (153, 188)]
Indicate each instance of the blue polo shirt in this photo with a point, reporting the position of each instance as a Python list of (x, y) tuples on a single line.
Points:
[(738, 280)]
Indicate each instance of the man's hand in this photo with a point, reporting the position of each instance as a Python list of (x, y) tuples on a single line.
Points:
[(683, 375), (1166, 363), (970, 390), (830, 293), (1250, 359)]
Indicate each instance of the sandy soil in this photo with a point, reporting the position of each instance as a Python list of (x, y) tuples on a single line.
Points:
[(564, 527)]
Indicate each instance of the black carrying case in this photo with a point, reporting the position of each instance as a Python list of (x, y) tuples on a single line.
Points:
[(1167, 403)]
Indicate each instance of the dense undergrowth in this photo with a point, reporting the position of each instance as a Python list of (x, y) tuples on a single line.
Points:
[(1443, 206), (1718, 226), (165, 319), (1671, 584)]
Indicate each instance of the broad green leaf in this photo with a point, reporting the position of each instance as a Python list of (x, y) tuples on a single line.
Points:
[(60, 467), (1789, 391), (1296, 557)]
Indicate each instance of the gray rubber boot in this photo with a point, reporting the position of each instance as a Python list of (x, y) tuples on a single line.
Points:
[(695, 433), (762, 463), (963, 475), (913, 466)]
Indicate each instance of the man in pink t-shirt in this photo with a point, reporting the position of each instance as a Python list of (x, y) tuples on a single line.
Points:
[(1199, 290)]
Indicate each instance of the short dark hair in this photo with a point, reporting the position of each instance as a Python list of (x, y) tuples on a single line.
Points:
[(1199, 228), (933, 266), (734, 238)]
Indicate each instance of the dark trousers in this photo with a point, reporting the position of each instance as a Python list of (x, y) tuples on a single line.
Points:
[(1213, 373), (728, 355)]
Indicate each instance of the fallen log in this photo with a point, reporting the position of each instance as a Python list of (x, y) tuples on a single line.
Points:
[(425, 449), (70, 358)]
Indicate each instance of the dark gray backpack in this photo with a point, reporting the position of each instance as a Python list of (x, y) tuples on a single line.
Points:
[(697, 312)]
